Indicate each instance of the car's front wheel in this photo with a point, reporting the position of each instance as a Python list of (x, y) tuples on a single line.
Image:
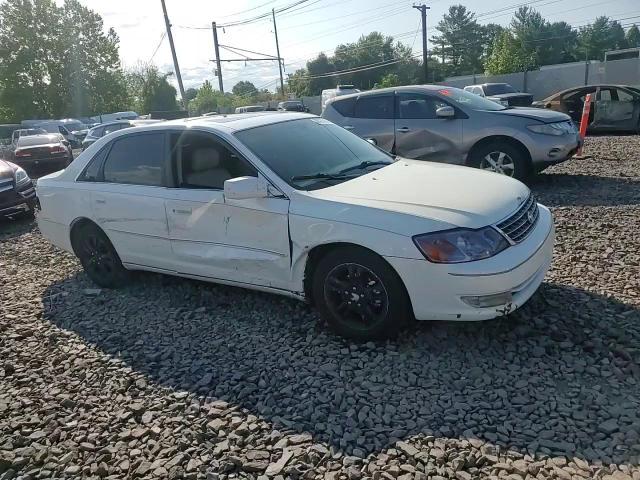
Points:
[(98, 257), (501, 158), (359, 294)]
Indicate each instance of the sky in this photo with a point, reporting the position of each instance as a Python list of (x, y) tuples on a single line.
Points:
[(303, 31)]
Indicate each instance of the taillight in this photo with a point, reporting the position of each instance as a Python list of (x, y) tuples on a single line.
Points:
[(22, 153), (57, 149)]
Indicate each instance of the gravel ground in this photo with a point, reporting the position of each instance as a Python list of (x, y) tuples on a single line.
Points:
[(172, 378)]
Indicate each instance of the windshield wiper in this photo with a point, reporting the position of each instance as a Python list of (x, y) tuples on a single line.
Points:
[(322, 176), (362, 165)]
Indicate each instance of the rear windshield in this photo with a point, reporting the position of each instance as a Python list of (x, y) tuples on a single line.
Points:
[(31, 140), (498, 89)]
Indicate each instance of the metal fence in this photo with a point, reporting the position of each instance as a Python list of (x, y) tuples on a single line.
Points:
[(553, 78)]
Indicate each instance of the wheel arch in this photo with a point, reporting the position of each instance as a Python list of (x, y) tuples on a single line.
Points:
[(514, 142), (314, 257), (77, 223)]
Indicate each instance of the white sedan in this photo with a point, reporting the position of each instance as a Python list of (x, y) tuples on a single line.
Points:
[(293, 204)]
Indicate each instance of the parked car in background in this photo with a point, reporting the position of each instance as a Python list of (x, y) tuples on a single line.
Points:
[(332, 93), (106, 128), (112, 117), (308, 210), (501, 93), (614, 107), (25, 132), (445, 124), (251, 108), (17, 192), (292, 106), (7, 129), (38, 154), (60, 126)]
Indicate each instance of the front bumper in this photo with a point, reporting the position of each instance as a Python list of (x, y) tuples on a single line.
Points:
[(437, 290), (15, 201), (547, 150)]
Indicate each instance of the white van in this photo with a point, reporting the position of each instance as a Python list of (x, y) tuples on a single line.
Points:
[(337, 92)]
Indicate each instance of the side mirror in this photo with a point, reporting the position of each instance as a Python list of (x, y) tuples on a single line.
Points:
[(241, 188), (445, 112)]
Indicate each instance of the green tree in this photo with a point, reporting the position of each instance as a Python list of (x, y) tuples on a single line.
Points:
[(389, 80), (190, 93), (210, 100), (244, 89), (150, 89), (490, 33), (57, 61), (602, 35), (461, 39), (507, 56), (633, 36)]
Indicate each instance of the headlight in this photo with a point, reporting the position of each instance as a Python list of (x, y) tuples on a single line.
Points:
[(556, 129), (460, 245), (21, 176)]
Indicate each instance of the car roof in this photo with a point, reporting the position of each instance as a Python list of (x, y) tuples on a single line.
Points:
[(405, 88), (582, 87), (233, 122)]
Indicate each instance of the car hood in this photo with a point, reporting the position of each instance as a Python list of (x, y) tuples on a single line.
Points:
[(545, 116), (6, 169), (413, 191)]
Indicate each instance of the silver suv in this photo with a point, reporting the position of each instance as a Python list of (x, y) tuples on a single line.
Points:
[(446, 124)]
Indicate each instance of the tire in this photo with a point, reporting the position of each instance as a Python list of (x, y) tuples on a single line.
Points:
[(346, 275), (518, 167), (99, 259)]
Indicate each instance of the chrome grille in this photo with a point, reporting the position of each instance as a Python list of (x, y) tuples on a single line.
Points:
[(519, 225)]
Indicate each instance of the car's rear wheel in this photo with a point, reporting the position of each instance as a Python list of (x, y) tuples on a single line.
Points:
[(501, 158), (98, 257), (359, 294)]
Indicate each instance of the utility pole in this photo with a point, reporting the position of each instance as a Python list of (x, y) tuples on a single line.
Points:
[(275, 30), (217, 51), (173, 53), (423, 10)]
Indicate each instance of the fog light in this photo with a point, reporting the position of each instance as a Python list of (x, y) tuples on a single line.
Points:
[(554, 152), (488, 300)]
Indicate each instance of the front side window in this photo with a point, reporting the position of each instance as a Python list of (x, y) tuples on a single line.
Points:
[(376, 107), (309, 147), (499, 89), (200, 160), (136, 159), (63, 130), (416, 106)]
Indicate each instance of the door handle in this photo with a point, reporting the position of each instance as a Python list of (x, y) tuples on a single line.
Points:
[(100, 201), (403, 129), (182, 211), (348, 127)]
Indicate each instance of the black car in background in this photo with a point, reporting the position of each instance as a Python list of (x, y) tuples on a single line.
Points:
[(292, 106), (41, 154), (17, 192), (615, 108)]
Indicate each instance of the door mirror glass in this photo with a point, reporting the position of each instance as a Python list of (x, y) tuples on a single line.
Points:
[(445, 112), (246, 187)]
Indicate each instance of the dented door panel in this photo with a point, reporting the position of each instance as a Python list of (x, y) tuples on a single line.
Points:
[(242, 240)]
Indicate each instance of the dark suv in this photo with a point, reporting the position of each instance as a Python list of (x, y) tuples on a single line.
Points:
[(17, 192)]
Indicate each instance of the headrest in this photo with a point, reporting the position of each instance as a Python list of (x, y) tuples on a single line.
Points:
[(205, 159)]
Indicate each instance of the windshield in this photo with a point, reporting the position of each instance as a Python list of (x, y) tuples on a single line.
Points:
[(470, 100), (498, 89), (309, 147)]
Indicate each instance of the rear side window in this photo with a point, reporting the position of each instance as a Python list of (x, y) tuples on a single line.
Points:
[(92, 170), (374, 107), (136, 159), (97, 132), (345, 107)]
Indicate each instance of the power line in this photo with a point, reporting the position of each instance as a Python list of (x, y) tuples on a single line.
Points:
[(158, 47)]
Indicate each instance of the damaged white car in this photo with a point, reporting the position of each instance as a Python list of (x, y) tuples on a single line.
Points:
[(293, 204)]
